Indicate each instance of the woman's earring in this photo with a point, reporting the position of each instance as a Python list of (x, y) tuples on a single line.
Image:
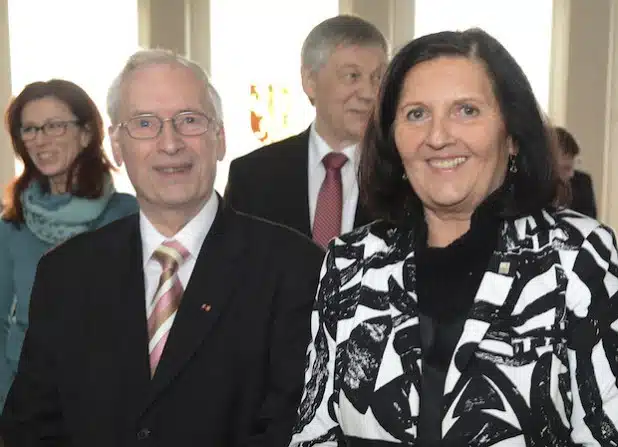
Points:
[(512, 164), (404, 176)]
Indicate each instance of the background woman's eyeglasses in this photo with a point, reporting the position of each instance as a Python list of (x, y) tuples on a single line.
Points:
[(50, 128)]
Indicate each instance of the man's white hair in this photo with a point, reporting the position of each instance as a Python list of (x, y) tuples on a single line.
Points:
[(157, 56)]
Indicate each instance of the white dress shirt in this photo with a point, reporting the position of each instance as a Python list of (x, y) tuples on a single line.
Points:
[(318, 148), (191, 236)]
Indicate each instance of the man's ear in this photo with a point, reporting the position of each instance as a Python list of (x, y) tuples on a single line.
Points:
[(220, 142), (309, 80), (114, 136)]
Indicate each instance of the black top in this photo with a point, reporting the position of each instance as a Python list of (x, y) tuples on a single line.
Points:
[(582, 194), (447, 280)]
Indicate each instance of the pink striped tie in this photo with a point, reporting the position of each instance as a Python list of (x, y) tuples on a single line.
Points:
[(166, 299), (327, 220)]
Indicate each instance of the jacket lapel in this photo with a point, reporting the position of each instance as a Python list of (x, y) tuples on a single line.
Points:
[(294, 178), (128, 315), (489, 304), (205, 299)]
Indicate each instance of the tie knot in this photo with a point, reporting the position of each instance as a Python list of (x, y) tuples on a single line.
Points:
[(334, 160), (170, 254)]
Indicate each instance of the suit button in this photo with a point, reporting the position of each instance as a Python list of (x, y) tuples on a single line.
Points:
[(144, 433)]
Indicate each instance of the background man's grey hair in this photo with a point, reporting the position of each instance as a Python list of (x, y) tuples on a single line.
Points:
[(143, 58), (345, 30)]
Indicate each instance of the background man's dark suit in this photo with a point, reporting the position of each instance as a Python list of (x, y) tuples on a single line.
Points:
[(232, 370), (582, 194), (272, 183)]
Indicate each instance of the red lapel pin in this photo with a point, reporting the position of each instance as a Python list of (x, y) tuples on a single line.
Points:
[(206, 307)]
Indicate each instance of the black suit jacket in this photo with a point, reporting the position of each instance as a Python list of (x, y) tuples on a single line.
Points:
[(271, 182), (582, 194), (229, 376)]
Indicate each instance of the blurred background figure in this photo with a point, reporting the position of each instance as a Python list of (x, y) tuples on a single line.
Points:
[(65, 188), (580, 183), (308, 181)]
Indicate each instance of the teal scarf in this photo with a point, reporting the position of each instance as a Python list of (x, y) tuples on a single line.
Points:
[(54, 218)]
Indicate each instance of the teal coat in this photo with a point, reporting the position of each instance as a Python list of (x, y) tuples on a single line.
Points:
[(20, 251)]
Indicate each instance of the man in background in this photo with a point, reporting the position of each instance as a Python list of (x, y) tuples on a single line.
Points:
[(582, 192), (308, 182)]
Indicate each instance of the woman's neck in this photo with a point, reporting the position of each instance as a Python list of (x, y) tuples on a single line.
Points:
[(58, 185), (443, 229)]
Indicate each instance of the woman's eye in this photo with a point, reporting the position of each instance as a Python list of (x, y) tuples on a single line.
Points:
[(468, 110), (415, 114)]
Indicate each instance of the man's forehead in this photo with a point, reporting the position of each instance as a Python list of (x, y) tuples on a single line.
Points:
[(366, 56), (165, 105), (154, 78), (159, 91), (354, 49)]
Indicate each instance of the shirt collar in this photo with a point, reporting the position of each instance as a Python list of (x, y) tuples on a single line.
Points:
[(318, 148), (191, 236)]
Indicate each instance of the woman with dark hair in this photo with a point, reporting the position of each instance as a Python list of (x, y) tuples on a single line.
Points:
[(473, 312), (65, 188)]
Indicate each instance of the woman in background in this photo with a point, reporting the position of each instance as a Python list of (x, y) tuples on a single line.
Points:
[(65, 188), (473, 312)]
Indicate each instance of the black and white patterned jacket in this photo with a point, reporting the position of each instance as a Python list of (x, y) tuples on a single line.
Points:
[(536, 364)]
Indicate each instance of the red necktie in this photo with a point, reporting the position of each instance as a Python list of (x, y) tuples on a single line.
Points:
[(327, 220)]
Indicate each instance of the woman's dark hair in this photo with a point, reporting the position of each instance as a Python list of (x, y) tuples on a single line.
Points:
[(566, 142), (88, 173), (386, 192)]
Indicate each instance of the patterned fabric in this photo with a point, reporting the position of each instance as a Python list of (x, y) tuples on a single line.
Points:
[(327, 221), (162, 310), (536, 364), (54, 218)]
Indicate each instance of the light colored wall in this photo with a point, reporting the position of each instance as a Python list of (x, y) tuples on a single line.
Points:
[(186, 29), (610, 158), (395, 18), (587, 89), (7, 162), (198, 32), (163, 24)]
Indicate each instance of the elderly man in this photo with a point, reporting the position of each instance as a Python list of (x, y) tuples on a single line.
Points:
[(308, 182), (183, 325)]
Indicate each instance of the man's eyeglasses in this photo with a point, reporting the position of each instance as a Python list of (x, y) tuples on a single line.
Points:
[(50, 128), (146, 127)]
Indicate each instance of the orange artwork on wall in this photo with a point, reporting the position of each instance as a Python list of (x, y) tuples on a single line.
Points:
[(269, 112)]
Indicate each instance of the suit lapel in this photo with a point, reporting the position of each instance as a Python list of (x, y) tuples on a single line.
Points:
[(205, 299), (294, 174), (489, 305), (128, 315)]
